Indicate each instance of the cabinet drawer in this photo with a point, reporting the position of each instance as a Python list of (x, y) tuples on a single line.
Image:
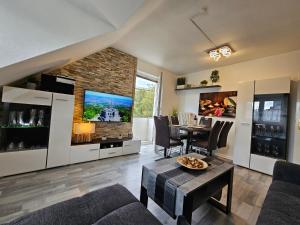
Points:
[(26, 96), (262, 164), (84, 153), (110, 152), (131, 147), (22, 161)]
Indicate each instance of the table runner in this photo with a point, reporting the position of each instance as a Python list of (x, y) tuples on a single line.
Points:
[(162, 187)]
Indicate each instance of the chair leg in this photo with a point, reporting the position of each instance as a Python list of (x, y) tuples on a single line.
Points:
[(165, 152)]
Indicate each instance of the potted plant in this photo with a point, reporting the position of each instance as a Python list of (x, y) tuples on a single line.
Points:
[(204, 83), (174, 112), (180, 83), (214, 77)]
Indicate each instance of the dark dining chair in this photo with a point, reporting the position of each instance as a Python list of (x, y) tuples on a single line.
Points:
[(207, 122), (163, 135), (204, 121), (175, 131), (224, 134), (211, 143), (174, 120)]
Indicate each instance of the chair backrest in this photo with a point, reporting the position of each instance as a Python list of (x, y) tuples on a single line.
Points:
[(214, 136), (205, 121), (174, 120), (162, 136), (224, 134)]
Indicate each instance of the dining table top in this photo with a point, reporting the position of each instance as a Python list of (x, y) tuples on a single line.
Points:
[(192, 128)]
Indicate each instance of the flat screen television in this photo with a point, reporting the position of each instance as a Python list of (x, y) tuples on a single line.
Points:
[(104, 107)]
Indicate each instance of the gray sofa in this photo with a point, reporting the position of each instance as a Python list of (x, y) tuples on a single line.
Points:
[(282, 204), (113, 205)]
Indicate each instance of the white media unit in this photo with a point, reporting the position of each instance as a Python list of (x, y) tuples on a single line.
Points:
[(57, 149)]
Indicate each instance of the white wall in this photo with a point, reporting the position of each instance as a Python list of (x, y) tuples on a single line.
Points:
[(275, 66), (169, 99)]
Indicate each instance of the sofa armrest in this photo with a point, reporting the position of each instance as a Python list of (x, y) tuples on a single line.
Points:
[(288, 172), (182, 221)]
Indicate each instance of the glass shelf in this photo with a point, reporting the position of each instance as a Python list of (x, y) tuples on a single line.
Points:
[(269, 138), (21, 127), (22, 149)]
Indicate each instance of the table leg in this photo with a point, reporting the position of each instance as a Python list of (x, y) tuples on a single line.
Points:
[(229, 192), (144, 196), (165, 152), (188, 142), (225, 208), (188, 209)]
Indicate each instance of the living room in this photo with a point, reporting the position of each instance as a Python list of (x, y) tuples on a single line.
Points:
[(149, 112)]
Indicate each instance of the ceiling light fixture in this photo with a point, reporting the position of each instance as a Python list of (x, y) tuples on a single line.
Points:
[(215, 55), (218, 52)]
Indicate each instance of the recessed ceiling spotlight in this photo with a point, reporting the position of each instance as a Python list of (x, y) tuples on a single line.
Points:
[(217, 53)]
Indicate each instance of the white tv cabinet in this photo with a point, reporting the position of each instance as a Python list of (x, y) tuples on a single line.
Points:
[(104, 149)]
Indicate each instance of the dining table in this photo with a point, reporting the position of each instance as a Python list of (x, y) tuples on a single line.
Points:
[(191, 129)]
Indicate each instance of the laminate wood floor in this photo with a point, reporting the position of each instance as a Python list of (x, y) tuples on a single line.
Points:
[(25, 193)]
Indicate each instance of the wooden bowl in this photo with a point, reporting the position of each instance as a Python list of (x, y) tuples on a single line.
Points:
[(189, 162)]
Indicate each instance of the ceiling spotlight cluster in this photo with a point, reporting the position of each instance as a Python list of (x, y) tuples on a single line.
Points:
[(217, 53)]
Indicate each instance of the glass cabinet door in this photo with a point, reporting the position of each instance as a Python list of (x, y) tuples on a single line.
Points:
[(269, 131), (24, 127)]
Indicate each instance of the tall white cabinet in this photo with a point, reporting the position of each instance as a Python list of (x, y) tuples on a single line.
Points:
[(26, 144), (244, 123), (60, 130), (261, 136)]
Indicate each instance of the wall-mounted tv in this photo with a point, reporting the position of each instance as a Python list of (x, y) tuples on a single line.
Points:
[(104, 107)]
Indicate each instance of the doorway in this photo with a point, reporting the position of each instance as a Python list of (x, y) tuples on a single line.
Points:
[(145, 107)]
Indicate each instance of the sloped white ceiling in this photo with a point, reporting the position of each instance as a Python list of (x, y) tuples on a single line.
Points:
[(67, 54), (31, 28), (254, 28)]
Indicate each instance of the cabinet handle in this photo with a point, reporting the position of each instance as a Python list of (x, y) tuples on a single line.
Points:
[(94, 149), (61, 99), (40, 97), (245, 123), (110, 153)]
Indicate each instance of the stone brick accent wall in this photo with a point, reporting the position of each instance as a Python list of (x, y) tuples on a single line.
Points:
[(109, 70)]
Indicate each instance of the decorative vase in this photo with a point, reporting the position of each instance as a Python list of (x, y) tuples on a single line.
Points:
[(12, 121), (21, 145), (32, 117), (20, 120), (11, 146), (41, 118)]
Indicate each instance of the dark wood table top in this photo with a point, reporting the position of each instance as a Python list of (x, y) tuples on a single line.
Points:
[(206, 176), (193, 128)]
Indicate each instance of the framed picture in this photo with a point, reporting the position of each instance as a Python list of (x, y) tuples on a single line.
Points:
[(220, 104)]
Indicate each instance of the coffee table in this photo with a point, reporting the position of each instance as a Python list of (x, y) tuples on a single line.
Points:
[(179, 191)]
